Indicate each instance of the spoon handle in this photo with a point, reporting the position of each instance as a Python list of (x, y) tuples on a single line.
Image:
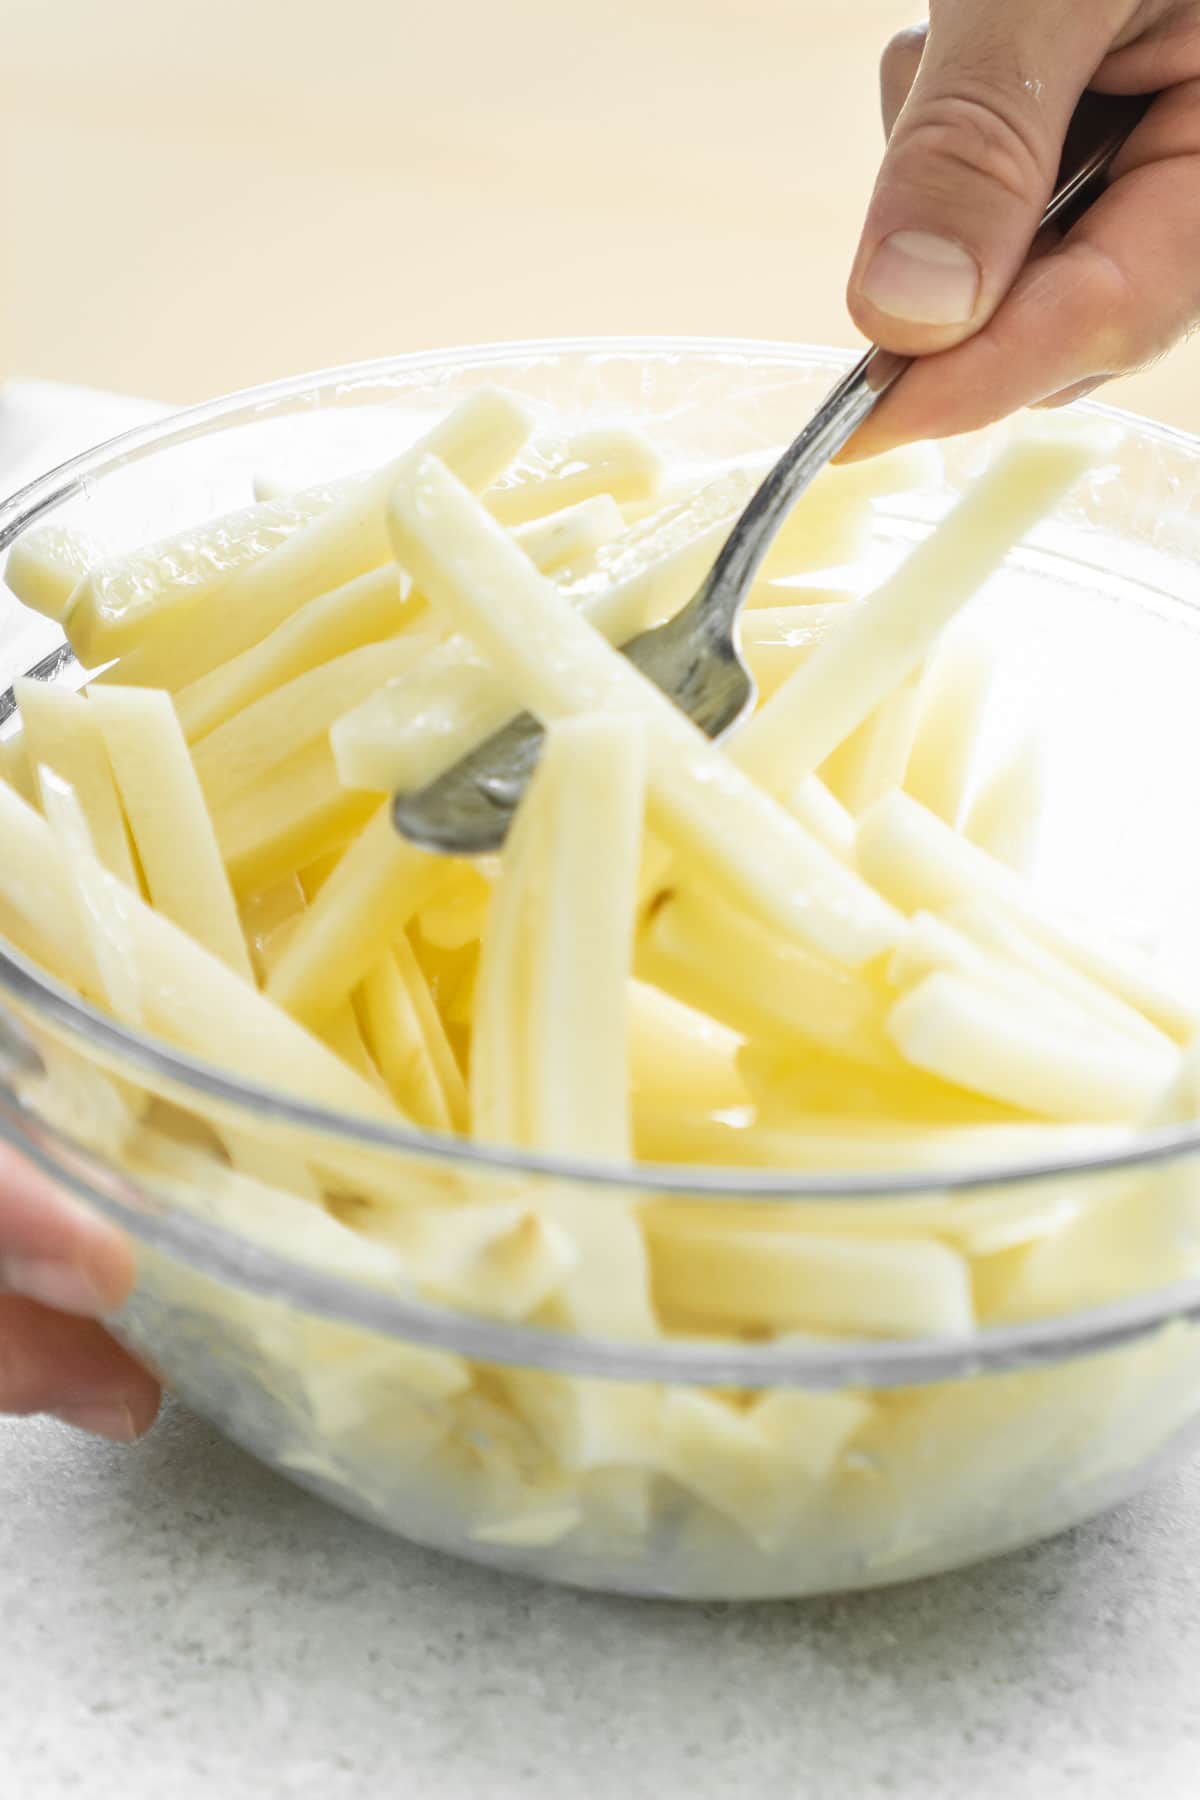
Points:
[(1101, 124)]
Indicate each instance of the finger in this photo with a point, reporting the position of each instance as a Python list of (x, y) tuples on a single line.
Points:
[(1118, 291), (1078, 390), (54, 1251), (898, 70), (73, 1369), (970, 165)]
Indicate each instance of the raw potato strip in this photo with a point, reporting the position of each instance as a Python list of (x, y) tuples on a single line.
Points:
[(363, 611), (1047, 988), (786, 1089), (478, 439), (873, 759), (456, 917), (825, 1143), (824, 815), (62, 733), (558, 665), (953, 698), (16, 767), (712, 957), (102, 913), (612, 460), (573, 1035), (496, 1071), (679, 1055), (953, 1027), (988, 926), (45, 567), (341, 1031), (761, 1465), (172, 830), (376, 888), (406, 1034), (408, 734), (265, 913), (774, 639), (286, 720), (1006, 815), (918, 861), (189, 997), (590, 787), (723, 1277), (882, 641), (298, 812), (570, 536), (122, 598)]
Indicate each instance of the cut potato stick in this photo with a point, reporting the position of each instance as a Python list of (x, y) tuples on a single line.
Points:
[(918, 861), (455, 917), (496, 1081), (409, 733), (873, 759), (935, 942), (775, 639), (725, 1278), (1006, 815), (120, 599), (374, 891), (171, 826), (558, 665), (189, 996), (441, 1053), (990, 927), (953, 698), (406, 1035), (955, 1028), (612, 460), (274, 1166), (298, 812), (882, 641), (823, 815), (103, 916), (710, 956), (680, 1056), (580, 894), (265, 913), (827, 1142), (363, 611), (786, 1088), (16, 767), (242, 750), (62, 733), (591, 790), (45, 567), (343, 1034), (566, 538), (479, 438)]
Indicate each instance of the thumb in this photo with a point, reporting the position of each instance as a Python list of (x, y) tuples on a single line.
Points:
[(971, 164)]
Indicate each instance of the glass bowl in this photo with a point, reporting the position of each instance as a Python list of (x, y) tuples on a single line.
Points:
[(711, 1462)]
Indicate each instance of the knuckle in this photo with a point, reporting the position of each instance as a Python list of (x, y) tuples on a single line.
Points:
[(953, 135), (902, 53)]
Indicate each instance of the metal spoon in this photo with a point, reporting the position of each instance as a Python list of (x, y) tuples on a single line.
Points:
[(694, 657)]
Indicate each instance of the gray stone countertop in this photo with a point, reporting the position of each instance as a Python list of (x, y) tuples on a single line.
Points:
[(176, 1622)]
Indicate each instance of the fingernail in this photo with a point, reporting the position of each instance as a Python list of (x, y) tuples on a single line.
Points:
[(60, 1285), (925, 279), (111, 1419)]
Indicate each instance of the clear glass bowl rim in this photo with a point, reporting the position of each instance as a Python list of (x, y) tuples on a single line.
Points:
[(220, 1252)]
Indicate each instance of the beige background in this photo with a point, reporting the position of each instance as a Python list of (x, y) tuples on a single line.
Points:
[(196, 197)]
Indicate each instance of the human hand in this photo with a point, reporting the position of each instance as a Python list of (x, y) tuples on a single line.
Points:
[(61, 1270), (976, 107)]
